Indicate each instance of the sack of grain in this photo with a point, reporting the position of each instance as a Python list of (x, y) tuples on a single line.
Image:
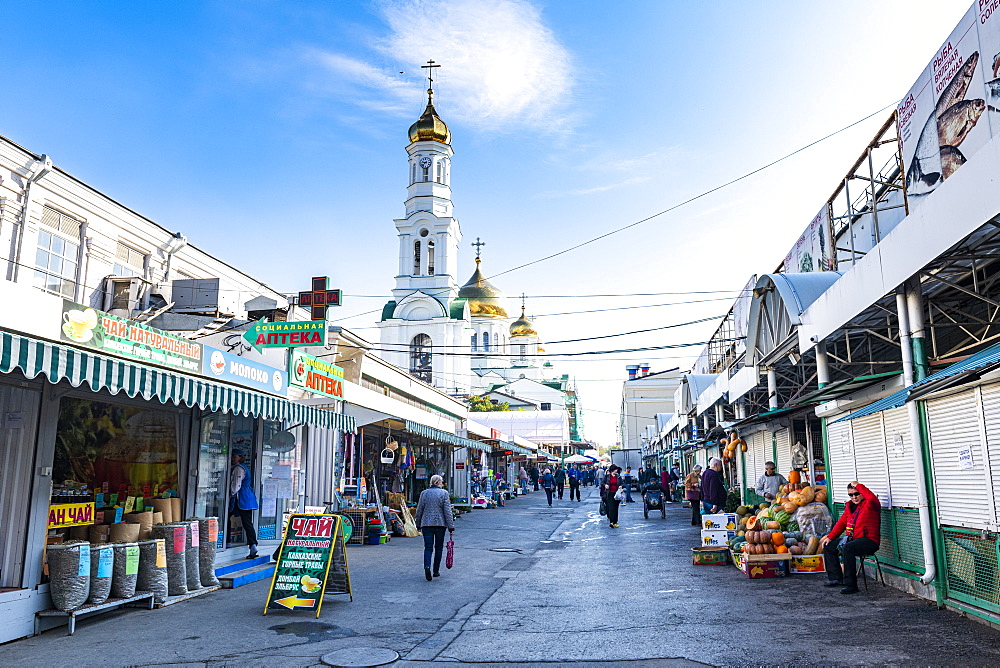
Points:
[(102, 558), (126, 570), (153, 569), (174, 537), (208, 531), (69, 574)]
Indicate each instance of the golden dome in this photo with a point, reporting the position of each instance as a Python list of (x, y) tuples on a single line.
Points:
[(522, 326), (430, 126), (482, 297)]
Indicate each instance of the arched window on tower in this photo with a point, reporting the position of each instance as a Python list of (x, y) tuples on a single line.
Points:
[(421, 357), (440, 171), (416, 257), (430, 257), (427, 173), (473, 343), (413, 173), (486, 342)]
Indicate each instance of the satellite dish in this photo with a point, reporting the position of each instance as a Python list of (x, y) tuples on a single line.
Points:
[(283, 441)]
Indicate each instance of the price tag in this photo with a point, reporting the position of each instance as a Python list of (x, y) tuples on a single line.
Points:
[(129, 504), (114, 500), (194, 534), (118, 514), (105, 560), (99, 500), (179, 540), (161, 554), (213, 529), (131, 560), (140, 504), (84, 569), (104, 486)]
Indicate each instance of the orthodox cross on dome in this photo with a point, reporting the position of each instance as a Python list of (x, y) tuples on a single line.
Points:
[(478, 245), (430, 76), (523, 297)]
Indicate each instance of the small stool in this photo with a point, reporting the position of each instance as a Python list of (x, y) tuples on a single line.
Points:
[(864, 574)]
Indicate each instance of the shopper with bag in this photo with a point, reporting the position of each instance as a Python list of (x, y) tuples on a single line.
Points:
[(433, 516), (613, 493)]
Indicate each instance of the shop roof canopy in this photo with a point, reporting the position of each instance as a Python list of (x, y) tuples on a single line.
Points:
[(840, 388), (969, 369), (445, 437), (59, 363)]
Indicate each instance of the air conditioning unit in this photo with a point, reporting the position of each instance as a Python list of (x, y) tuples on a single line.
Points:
[(123, 294)]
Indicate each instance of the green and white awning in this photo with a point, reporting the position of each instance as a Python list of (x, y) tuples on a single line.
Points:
[(445, 437), (101, 372)]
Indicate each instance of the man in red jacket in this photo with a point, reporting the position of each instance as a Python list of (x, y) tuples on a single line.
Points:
[(861, 523)]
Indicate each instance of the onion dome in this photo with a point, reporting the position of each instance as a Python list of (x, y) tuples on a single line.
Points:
[(483, 298), (522, 326), (430, 127)]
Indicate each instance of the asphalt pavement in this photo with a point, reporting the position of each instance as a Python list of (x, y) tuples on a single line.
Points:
[(536, 585)]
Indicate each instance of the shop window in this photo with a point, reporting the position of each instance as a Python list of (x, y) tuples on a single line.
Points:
[(430, 257), (56, 266), (473, 343), (546, 406), (416, 257), (421, 357)]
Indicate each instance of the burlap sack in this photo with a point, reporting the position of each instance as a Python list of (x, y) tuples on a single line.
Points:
[(123, 532), (145, 522)]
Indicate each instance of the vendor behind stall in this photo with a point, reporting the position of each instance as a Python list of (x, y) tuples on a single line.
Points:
[(769, 483)]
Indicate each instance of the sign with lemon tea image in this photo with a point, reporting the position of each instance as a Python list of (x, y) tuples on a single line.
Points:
[(88, 327), (312, 544)]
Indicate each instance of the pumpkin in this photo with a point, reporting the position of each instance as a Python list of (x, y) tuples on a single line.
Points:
[(781, 549), (764, 506), (795, 549), (820, 497), (812, 547), (794, 477), (777, 538), (807, 495), (744, 447), (789, 507), (752, 524), (794, 498), (773, 525), (745, 547)]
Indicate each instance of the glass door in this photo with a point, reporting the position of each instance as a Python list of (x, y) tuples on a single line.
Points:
[(280, 473), (221, 437)]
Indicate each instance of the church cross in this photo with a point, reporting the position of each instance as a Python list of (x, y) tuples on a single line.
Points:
[(478, 246), (430, 73)]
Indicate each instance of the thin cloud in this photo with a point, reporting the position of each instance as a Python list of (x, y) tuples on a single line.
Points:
[(554, 194), (500, 65)]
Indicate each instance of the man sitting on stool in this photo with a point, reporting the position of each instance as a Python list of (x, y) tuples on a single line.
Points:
[(862, 522)]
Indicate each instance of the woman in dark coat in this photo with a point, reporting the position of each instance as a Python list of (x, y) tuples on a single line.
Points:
[(608, 490), (433, 516)]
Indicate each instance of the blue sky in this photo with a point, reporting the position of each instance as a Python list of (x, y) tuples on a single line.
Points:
[(272, 134)]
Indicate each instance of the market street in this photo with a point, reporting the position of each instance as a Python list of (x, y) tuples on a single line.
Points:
[(572, 590)]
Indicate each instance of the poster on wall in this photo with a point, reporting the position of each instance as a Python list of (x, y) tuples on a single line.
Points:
[(988, 14), (813, 250), (84, 326), (941, 119)]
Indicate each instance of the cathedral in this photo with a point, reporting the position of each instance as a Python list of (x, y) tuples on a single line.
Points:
[(460, 339)]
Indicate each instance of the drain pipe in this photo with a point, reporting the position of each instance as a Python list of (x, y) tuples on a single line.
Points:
[(772, 389), (916, 437), (43, 169)]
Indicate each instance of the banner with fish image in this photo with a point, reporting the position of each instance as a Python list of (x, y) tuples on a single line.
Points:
[(813, 251), (941, 120), (989, 61)]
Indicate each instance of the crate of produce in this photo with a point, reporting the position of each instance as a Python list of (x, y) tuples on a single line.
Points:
[(812, 563), (719, 522), (717, 538), (762, 566), (709, 556)]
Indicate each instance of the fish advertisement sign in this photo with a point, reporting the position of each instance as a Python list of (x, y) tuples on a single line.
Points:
[(942, 118), (813, 251)]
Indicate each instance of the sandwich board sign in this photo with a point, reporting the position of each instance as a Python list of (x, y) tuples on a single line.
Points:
[(312, 562)]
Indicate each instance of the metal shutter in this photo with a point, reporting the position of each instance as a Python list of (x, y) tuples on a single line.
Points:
[(991, 414), (784, 460), (869, 455), (755, 465), (962, 497), (899, 456), (840, 470)]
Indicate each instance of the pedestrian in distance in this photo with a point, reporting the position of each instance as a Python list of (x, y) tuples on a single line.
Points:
[(574, 483), (533, 473), (769, 483), (609, 494), (713, 488), (522, 477), (560, 476), (627, 479), (861, 525), (692, 492), (599, 475), (433, 516), (242, 500), (667, 484), (548, 484), (675, 481)]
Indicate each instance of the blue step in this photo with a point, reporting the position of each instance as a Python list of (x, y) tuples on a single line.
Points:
[(241, 565), (246, 576)]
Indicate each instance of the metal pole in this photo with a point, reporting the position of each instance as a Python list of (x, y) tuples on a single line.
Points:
[(822, 365), (915, 318), (916, 438), (772, 389), (850, 219), (871, 169)]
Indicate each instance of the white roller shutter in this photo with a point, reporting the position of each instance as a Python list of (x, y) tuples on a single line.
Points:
[(869, 455), (991, 414), (784, 444), (840, 469), (755, 465), (899, 455), (962, 495)]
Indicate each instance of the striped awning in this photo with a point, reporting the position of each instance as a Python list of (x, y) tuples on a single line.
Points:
[(445, 437), (58, 363)]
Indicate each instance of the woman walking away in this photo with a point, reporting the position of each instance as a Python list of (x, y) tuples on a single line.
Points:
[(609, 489), (522, 477), (548, 484), (692, 492), (433, 517)]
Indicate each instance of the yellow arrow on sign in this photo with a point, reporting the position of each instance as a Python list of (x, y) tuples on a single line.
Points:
[(291, 602)]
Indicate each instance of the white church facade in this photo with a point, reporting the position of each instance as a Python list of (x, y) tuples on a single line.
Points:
[(459, 339)]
